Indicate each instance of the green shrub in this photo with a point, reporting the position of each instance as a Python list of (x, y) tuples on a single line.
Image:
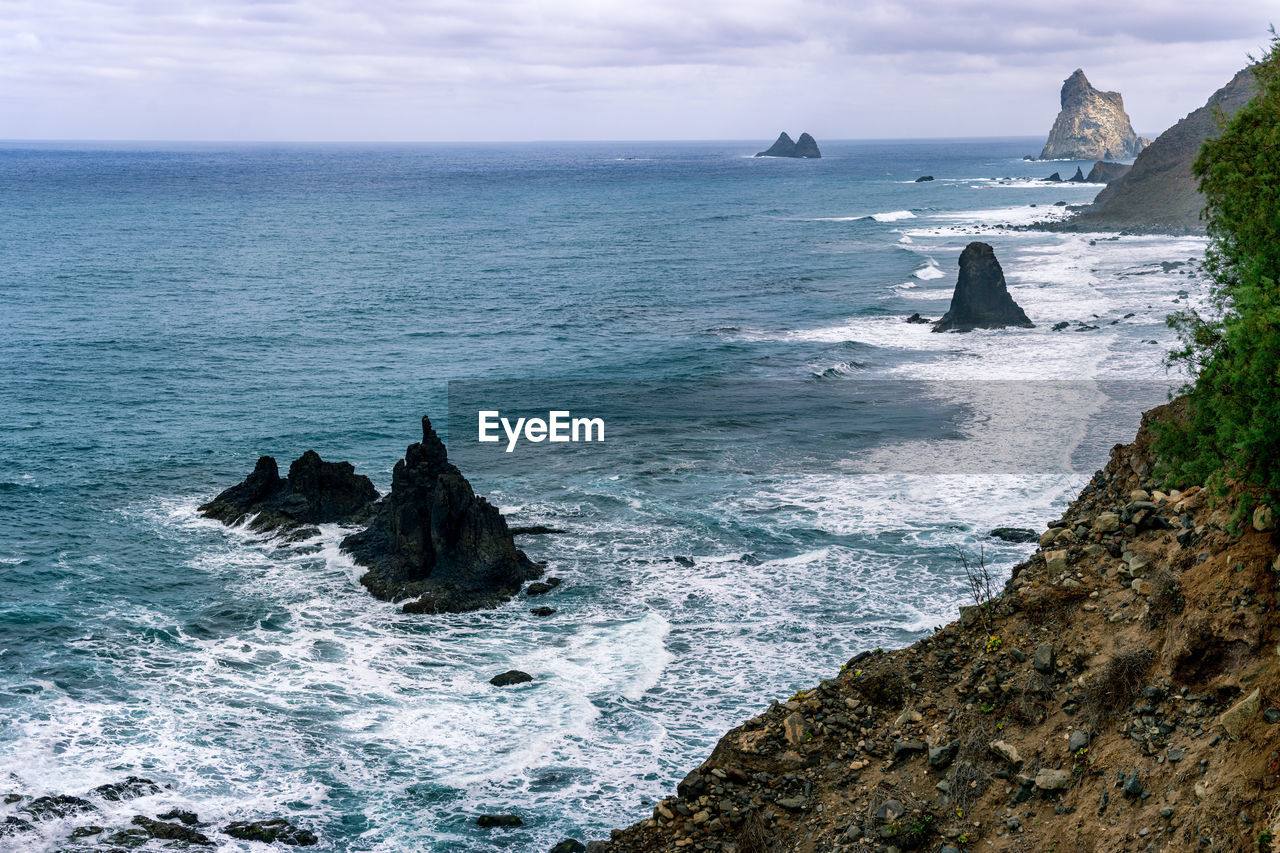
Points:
[(1232, 423)]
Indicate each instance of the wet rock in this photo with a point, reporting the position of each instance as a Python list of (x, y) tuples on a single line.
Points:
[(163, 831), (86, 831), (542, 587), (189, 818), (131, 788), (1235, 719), (315, 492), (981, 299), (535, 530), (275, 831), (56, 806), (924, 178), (569, 845), (510, 677), (492, 820), (433, 538), (543, 611), (1055, 178), (14, 825), (1013, 534), (916, 318)]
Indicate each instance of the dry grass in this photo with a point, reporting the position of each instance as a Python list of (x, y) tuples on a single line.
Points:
[(1112, 689), (754, 837)]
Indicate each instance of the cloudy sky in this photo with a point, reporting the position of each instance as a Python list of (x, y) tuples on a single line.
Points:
[(600, 69)]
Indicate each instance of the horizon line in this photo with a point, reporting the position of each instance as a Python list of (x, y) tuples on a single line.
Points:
[(599, 141)]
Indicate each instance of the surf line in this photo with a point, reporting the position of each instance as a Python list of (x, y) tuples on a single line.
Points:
[(558, 426)]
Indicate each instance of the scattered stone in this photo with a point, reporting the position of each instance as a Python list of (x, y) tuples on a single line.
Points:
[(1235, 719), (1007, 751), (1079, 740), (1044, 658), (942, 756), (1263, 518), (1053, 780)]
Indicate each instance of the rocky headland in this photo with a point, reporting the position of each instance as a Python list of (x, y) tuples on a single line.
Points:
[(1104, 172), (1117, 695), (981, 299), (804, 147), (1092, 125), (431, 539), (1158, 195)]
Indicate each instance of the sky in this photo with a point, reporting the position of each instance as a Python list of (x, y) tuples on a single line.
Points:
[(477, 70)]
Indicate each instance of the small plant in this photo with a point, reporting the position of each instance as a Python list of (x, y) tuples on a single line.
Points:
[(978, 578), (986, 707), (993, 644)]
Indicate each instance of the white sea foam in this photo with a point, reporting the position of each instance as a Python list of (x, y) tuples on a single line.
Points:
[(929, 271), (893, 216)]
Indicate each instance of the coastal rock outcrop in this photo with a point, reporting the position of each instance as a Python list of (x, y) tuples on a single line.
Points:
[(1104, 172), (805, 147), (315, 492), (1099, 693), (434, 540), (981, 299), (1091, 126), (1159, 194)]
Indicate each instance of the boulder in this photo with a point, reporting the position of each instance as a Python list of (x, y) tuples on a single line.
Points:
[(1092, 125), (1013, 534), (1053, 780), (804, 147), (315, 492), (916, 318), (434, 540), (981, 300)]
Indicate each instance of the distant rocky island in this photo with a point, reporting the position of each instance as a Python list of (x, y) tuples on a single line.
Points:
[(981, 300), (1091, 126), (805, 147), (1158, 195), (431, 540)]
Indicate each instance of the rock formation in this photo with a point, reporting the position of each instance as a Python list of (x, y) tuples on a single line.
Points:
[(804, 147), (315, 492), (1091, 126), (1159, 194), (1104, 172), (1078, 177), (981, 299), (434, 540)]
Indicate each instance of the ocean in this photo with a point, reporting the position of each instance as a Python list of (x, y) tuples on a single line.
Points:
[(794, 470)]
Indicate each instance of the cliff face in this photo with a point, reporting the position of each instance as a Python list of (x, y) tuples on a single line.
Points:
[(1091, 126), (1116, 697), (1158, 195)]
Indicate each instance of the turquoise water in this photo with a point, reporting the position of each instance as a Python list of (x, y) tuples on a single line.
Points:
[(169, 313)]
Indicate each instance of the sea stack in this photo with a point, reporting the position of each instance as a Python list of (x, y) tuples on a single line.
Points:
[(981, 299), (1159, 194), (1091, 126), (434, 540), (315, 492), (805, 147)]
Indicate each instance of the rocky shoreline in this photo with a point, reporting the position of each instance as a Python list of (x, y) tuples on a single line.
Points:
[(1115, 696)]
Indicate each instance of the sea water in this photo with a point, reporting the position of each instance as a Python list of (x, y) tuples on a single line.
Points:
[(170, 312)]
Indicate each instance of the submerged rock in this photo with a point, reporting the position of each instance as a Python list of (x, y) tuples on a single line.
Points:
[(315, 492), (1092, 125), (510, 677), (56, 806), (981, 300), (924, 179), (491, 820), (916, 318), (806, 147), (131, 788), (432, 538), (1014, 534)]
